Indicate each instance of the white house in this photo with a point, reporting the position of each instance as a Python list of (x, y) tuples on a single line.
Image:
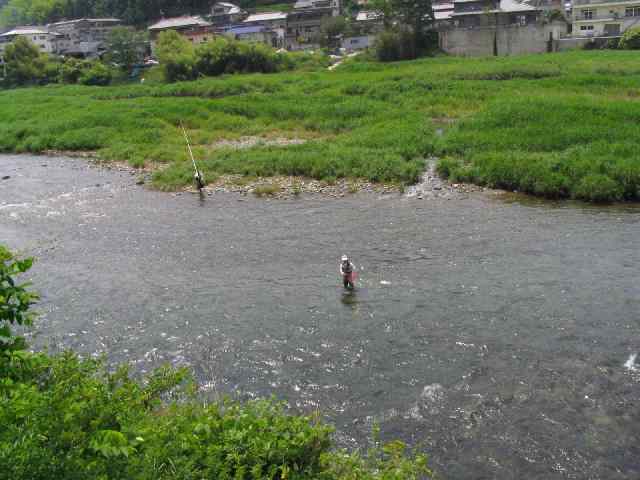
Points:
[(604, 18), (276, 22), (46, 41)]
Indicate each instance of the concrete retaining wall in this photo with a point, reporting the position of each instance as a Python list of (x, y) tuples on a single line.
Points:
[(510, 39)]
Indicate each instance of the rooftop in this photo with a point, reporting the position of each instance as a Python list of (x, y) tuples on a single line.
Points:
[(265, 17), (233, 8), (177, 22), (365, 15), (312, 4), (26, 31), (505, 6), (78, 20)]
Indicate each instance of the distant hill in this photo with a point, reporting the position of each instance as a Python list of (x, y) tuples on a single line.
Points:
[(133, 12)]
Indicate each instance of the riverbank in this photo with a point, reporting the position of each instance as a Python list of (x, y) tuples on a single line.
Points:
[(561, 125), (430, 184)]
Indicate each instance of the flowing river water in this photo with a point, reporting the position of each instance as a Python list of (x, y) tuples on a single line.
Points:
[(494, 332)]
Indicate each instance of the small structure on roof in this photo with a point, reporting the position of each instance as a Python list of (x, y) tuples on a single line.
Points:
[(224, 13)]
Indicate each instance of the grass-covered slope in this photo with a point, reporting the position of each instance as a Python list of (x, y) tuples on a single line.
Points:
[(558, 125)]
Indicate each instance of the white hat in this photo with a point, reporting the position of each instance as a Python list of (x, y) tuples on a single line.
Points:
[(345, 258)]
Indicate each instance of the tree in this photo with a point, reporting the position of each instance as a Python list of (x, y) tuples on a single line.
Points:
[(331, 28), (96, 74), (631, 39), (24, 63), (126, 47), (412, 16), (177, 56)]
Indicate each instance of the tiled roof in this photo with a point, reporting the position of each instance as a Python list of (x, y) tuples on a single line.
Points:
[(265, 17), (176, 22), (77, 20), (25, 31)]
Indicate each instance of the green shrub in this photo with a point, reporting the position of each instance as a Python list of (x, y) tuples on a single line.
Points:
[(177, 56), (395, 45), (267, 189), (98, 75), (71, 70), (631, 39), (24, 63), (598, 188)]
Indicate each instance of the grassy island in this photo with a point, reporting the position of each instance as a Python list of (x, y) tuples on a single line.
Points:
[(563, 125)]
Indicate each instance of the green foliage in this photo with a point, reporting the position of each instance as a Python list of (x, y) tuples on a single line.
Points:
[(395, 45), (97, 74), (598, 188), (331, 28), (177, 56), (68, 418), (229, 56), (553, 120), (181, 61), (15, 302), (71, 70), (630, 39), (24, 63), (412, 20), (126, 47)]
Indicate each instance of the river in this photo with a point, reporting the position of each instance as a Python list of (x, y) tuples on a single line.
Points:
[(494, 332)]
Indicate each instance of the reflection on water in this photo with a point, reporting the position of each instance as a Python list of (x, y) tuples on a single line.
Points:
[(492, 333)]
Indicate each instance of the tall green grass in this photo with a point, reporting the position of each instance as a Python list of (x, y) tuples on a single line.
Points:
[(558, 125)]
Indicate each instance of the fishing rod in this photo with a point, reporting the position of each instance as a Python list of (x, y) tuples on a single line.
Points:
[(198, 174)]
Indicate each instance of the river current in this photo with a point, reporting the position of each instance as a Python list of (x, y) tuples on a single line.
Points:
[(497, 333)]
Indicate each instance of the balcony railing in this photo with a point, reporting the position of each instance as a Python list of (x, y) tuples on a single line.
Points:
[(597, 2), (578, 17)]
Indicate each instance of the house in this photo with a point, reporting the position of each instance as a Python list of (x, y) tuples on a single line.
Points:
[(84, 37), (276, 22), (365, 27), (305, 20), (442, 14), (604, 18), (223, 13), (46, 41), (195, 29), (252, 34)]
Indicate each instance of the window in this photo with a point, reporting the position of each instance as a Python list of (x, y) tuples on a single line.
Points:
[(586, 27), (520, 20), (632, 12), (587, 14), (42, 37), (354, 41)]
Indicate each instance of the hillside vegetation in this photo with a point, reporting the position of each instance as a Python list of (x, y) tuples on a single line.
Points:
[(556, 125)]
